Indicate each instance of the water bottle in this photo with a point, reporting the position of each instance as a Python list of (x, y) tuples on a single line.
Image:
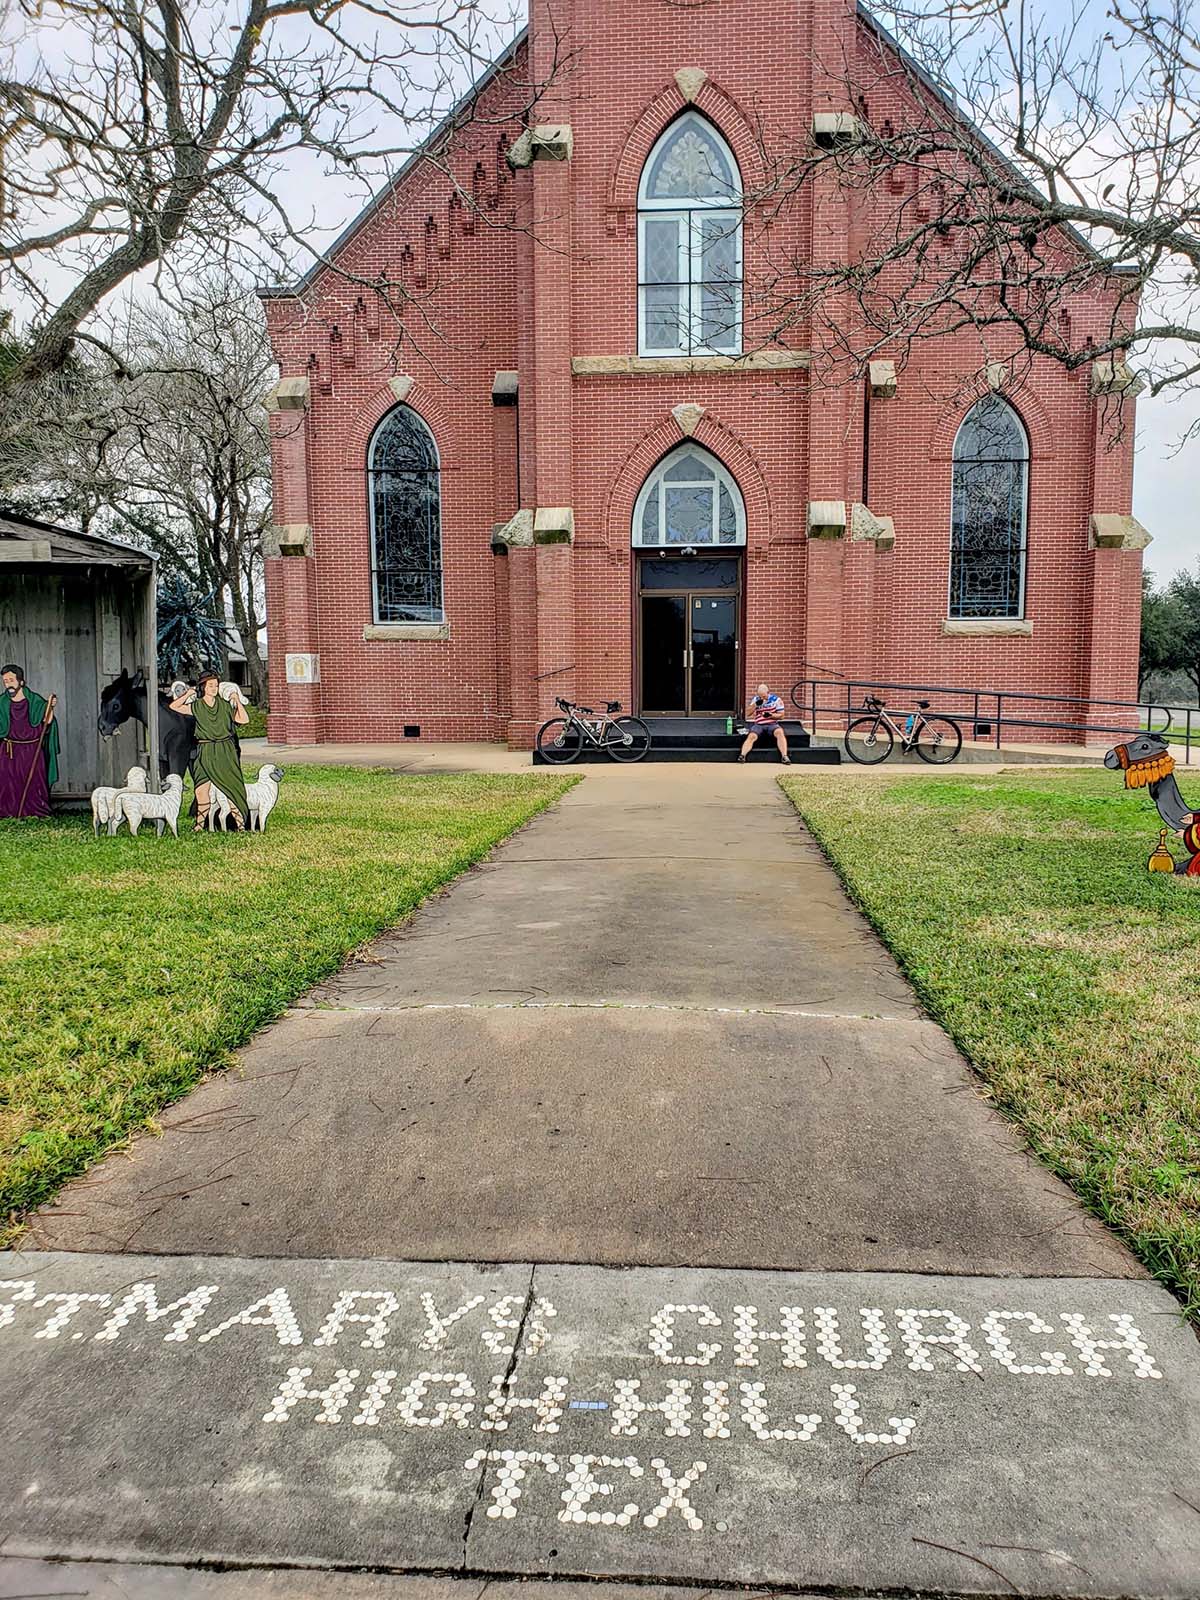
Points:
[(728, 724), (908, 726)]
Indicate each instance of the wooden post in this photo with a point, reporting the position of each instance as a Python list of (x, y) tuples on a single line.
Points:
[(150, 671)]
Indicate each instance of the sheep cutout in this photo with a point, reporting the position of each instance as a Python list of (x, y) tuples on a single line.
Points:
[(261, 796), (157, 808), (105, 809)]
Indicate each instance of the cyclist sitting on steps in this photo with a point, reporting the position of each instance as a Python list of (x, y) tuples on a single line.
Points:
[(765, 716)]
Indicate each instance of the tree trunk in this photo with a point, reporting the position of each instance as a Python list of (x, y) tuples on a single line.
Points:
[(246, 622)]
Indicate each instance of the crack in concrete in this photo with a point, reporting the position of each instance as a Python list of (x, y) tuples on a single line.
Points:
[(400, 1008), (505, 1383)]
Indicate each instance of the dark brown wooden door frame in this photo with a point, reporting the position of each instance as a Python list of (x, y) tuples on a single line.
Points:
[(738, 596)]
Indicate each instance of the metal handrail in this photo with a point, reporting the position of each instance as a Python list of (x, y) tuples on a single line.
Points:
[(989, 706)]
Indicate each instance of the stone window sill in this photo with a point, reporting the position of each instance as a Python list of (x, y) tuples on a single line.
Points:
[(753, 361), (988, 627), (375, 632)]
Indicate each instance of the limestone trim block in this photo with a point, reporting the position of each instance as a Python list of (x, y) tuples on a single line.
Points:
[(1113, 376), (995, 375), (988, 627), (883, 380), (687, 417), (835, 127), (382, 632), (689, 81), (826, 519), (516, 533), (288, 539), (684, 366), (554, 525), (289, 394), (1113, 531), (549, 141), (505, 388), (401, 385), (520, 152), (865, 525)]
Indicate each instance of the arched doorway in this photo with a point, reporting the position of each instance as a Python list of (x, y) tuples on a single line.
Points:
[(689, 535)]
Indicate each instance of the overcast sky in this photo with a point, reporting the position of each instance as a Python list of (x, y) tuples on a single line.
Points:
[(1166, 483)]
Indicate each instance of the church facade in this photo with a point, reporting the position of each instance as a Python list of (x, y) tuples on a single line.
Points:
[(572, 463)]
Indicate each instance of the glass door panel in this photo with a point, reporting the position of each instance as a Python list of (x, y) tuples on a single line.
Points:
[(664, 653), (713, 654)]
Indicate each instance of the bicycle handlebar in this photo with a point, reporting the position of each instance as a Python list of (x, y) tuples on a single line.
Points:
[(588, 711)]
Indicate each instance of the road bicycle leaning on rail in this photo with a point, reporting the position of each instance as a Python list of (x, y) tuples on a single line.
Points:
[(935, 739), (562, 738)]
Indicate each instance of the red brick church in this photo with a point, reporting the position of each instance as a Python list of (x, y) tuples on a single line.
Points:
[(568, 468)]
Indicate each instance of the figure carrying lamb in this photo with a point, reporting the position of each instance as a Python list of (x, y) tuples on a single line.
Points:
[(216, 763)]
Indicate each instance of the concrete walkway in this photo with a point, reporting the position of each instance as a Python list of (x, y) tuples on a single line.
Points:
[(619, 1216), (649, 1029)]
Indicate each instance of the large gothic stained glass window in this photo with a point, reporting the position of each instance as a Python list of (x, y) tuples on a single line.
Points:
[(690, 244), (406, 533), (988, 519), (689, 500)]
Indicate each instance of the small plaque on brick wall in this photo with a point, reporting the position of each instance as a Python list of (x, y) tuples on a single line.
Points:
[(304, 668)]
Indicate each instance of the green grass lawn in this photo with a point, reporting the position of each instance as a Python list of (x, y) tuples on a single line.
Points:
[(130, 966), (1021, 909)]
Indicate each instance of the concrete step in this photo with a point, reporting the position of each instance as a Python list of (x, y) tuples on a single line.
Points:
[(710, 750), (705, 739)]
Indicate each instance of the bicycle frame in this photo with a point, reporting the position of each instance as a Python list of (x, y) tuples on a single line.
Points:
[(593, 732), (907, 740)]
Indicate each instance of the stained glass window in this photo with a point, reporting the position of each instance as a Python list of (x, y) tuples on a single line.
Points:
[(689, 499), (406, 534), (988, 518), (690, 244)]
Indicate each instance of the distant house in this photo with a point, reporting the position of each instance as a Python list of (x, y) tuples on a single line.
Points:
[(578, 470), (74, 611)]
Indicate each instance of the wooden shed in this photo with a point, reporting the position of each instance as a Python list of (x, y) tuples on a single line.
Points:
[(75, 610)]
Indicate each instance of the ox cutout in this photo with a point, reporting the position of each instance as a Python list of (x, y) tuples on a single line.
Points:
[(1148, 764)]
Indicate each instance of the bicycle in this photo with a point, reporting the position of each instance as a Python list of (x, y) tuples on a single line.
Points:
[(935, 739), (561, 739)]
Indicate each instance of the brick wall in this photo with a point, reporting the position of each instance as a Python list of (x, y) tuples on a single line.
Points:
[(547, 271)]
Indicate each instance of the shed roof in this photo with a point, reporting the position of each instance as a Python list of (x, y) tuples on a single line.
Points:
[(25, 539)]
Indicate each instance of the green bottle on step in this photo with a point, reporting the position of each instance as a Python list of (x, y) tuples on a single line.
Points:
[(728, 724)]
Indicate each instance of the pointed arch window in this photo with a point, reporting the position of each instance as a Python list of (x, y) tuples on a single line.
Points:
[(406, 531), (689, 500), (690, 244), (989, 512)]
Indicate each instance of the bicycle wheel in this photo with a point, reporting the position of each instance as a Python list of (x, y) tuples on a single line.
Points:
[(627, 739), (876, 741), (938, 740), (559, 741)]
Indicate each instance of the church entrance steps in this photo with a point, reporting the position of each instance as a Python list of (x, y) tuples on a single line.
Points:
[(705, 739)]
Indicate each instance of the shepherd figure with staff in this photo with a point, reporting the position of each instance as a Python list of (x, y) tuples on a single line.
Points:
[(28, 747)]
